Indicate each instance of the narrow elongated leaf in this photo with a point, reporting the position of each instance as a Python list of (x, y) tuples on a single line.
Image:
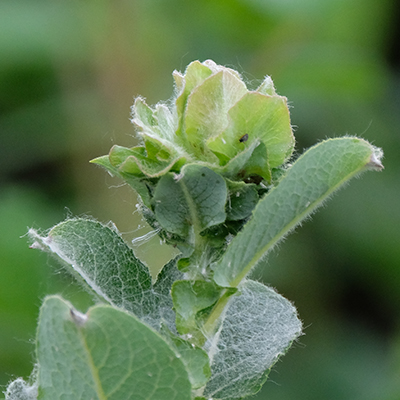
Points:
[(106, 354), (258, 326), (98, 256), (196, 198), (312, 178)]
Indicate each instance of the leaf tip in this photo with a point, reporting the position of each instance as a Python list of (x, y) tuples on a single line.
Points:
[(375, 159), (98, 160), (38, 242)]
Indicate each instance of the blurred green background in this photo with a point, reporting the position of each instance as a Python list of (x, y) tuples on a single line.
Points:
[(69, 71)]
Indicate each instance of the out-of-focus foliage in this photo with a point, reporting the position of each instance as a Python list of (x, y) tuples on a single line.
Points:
[(68, 75)]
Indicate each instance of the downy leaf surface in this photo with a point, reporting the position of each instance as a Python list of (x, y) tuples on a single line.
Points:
[(106, 354), (307, 184), (98, 257), (257, 327)]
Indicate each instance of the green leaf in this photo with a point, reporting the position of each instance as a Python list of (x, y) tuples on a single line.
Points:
[(311, 180), (166, 122), (267, 87), (120, 155), (195, 74), (241, 201), (235, 167), (106, 354), (258, 164), (207, 109), (193, 357), (153, 160), (97, 256), (190, 297), (143, 115), (257, 117), (159, 154), (258, 326), (195, 199)]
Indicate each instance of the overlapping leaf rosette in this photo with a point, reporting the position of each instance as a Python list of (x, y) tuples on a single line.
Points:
[(206, 157)]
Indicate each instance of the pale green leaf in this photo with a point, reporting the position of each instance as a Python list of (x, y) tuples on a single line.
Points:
[(98, 256), (153, 160), (143, 116), (312, 178), (234, 167), (120, 155), (195, 74), (267, 87), (106, 354), (257, 117), (207, 109), (166, 122), (258, 164), (257, 327)]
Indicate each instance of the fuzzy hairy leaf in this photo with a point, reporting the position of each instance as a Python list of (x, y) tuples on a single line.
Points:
[(97, 255), (258, 326), (106, 354), (312, 178)]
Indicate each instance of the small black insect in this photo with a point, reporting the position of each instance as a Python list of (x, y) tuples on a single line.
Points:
[(244, 138)]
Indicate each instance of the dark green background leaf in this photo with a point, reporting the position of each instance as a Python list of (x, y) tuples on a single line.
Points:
[(193, 200)]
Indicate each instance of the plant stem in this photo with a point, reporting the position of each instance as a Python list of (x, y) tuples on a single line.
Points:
[(210, 325)]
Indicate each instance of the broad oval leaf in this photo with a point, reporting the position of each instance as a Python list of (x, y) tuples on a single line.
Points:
[(106, 354), (257, 327), (97, 255)]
